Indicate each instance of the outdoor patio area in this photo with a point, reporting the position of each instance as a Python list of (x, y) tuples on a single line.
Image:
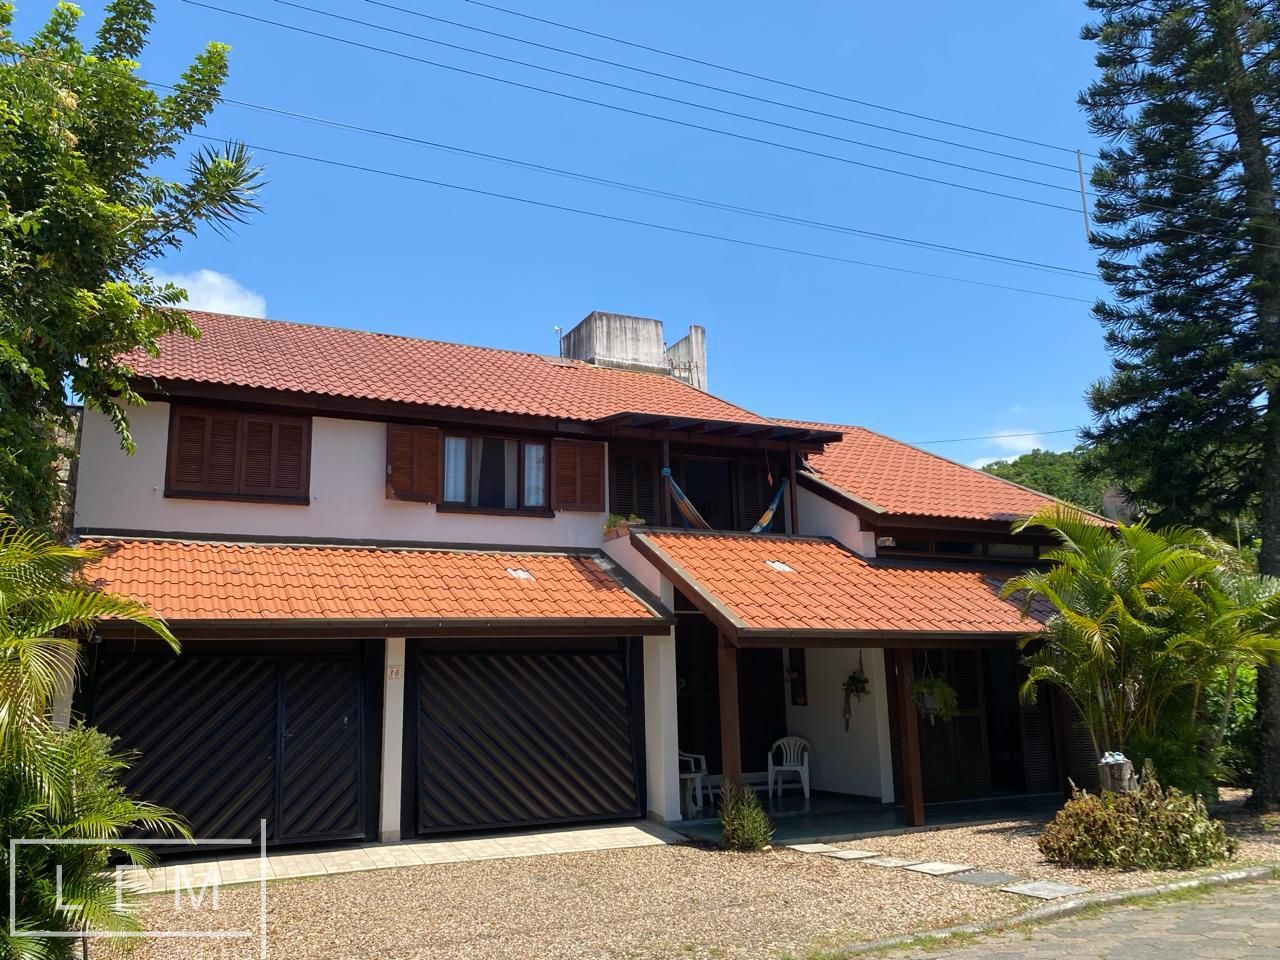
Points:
[(828, 817)]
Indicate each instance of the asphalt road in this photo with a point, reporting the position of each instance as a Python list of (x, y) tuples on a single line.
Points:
[(1233, 923)]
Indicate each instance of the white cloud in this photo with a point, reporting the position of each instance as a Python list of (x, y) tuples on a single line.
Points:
[(981, 462), (217, 293), (1018, 441)]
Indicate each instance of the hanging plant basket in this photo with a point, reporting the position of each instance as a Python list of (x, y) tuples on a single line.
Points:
[(934, 698), (857, 684)]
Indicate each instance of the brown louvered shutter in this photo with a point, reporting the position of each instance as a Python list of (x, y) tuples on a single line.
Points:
[(577, 468), (413, 463), (633, 486), (223, 453), (274, 457), (203, 452)]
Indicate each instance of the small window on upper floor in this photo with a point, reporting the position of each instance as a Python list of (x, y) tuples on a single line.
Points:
[(495, 473), (234, 455)]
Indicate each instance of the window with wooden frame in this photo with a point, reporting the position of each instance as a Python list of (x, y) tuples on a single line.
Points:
[(494, 473), (236, 455)]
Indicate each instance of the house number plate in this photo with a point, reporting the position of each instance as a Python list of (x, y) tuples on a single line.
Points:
[(395, 671)]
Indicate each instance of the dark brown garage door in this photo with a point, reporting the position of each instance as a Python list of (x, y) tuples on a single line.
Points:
[(515, 738), (229, 740)]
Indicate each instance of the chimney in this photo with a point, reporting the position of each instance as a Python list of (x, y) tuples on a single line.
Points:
[(687, 357), (636, 343)]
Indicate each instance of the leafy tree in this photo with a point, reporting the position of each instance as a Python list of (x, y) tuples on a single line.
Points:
[(1142, 623), (1060, 475), (82, 214), (1189, 237), (60, 783)]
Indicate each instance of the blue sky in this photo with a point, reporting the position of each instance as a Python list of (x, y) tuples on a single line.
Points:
[(918, 358)]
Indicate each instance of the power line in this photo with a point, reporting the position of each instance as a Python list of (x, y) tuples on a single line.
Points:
[(985, 256), (687, 124), (782, 83), (678, 100), (628, 110), (643, 223), (620, 184), (710, 86), (995, 436), (934, 246)]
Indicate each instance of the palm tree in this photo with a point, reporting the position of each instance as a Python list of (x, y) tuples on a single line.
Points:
[(1141, 621), (59, 783)]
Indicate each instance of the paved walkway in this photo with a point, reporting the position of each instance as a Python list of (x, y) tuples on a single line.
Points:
[(1233, 923), (249, 868)]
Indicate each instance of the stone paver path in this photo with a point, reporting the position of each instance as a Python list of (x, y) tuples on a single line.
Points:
[(1233, 923), (959, 872), (237, 867)]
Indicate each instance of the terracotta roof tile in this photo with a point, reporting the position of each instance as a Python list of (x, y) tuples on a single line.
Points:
[(899, 478), (831, 588), (329, 361), (188, 580)]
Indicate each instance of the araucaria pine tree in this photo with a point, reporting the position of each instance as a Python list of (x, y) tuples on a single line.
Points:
[(1188, 231)]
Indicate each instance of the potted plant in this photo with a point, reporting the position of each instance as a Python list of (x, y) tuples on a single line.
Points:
[(934, 698), (855, 685), (616, 525)]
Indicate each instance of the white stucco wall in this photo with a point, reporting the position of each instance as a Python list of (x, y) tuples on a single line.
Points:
[(621, 552), (822, 518), (348, 501), (857, 761)]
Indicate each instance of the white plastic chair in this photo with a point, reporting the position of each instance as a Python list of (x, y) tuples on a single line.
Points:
[(794, 753), (693, 768)]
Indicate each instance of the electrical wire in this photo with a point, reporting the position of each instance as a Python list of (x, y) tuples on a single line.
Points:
[(688, 124), (1074, 210), (515, 198), (725, 90), (782, 83), (752, 118), (995, 436), (981, 255)]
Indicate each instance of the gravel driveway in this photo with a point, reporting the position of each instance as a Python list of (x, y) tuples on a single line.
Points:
[(644, 902), (648, 902)]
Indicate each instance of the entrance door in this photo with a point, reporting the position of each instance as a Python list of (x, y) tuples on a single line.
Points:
[(954, 755)]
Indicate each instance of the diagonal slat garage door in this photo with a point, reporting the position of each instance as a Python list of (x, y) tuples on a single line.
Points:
[(508, 739), (227, 741)]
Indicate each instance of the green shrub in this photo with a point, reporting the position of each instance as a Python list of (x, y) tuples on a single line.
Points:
[(1150, 828), (744, 824)]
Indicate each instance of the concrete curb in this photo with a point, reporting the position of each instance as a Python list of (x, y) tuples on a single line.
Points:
[(1066, 908)]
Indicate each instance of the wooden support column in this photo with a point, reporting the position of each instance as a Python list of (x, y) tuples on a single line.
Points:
[(663, 492), (793, 517), (730, 735), (908, 738)]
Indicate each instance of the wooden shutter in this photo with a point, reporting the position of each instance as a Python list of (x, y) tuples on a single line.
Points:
[(753, 495), (413, 463), (203, 452), (577, 470), (633, 486), (222, 453), (274, 457)]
